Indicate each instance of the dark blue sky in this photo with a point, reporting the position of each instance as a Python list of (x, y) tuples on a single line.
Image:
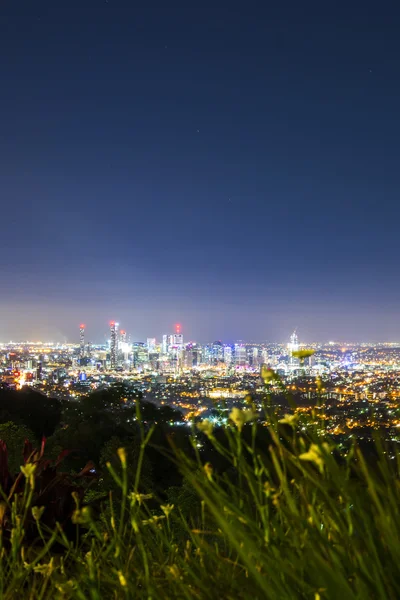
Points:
[(232, 166)]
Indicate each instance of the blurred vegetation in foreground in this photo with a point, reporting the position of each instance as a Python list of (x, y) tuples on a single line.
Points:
[(271, 513)]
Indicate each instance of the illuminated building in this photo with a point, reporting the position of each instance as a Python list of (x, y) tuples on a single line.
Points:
[(39, 371), (178, 337), (240, 355), (293, 346), (151, 344), (176, 352), (167, 342), (217, 352), (172, 345), (228, 355), (113, 344), (197, 355), (140, 354), (207, 354), (254, 357), (122, 350), (81, 340), (187, 358)]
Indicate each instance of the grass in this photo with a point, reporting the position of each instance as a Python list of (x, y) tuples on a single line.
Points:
[(292, 520)]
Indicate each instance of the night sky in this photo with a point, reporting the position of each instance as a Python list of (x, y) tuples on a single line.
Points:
[(233, 166)]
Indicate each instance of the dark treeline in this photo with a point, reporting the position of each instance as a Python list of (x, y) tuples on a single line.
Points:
[(95, 426), (92, 428), (221, 489)]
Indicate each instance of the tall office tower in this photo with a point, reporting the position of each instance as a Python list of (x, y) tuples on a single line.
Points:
[(217, 352), (207, 354), (167, 342), (140, 354), (81, 340), (187, 358), (178, 337), (254, 361), (113, 344), (151, 344), (228, 355), (240, 355), (39, 371), (197, 355), (124, 348), (294, 342), (293, 346), (176, 348), (265, 357)]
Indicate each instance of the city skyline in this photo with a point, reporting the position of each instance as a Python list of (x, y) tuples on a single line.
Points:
[(49, 322), (113, 332), (232, 169)]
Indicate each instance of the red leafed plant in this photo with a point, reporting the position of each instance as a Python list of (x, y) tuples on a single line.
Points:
[(56, 491)]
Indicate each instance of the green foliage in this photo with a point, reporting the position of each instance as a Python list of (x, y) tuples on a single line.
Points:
[(305, 526), (260, 513), (14, 437), (31, 409), (109, 454), (37, 490)]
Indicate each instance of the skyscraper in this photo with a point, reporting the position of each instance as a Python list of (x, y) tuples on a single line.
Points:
[(81, 340), (293, 346), (228, 355), (254, 358), (240, 355), (265, 356), (178, 337), (151, 344), (217, 352), (113, 344), (167, 342), (39, 371), (187, 358)]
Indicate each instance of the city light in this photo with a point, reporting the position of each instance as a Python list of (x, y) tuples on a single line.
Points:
[(357, 385)]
